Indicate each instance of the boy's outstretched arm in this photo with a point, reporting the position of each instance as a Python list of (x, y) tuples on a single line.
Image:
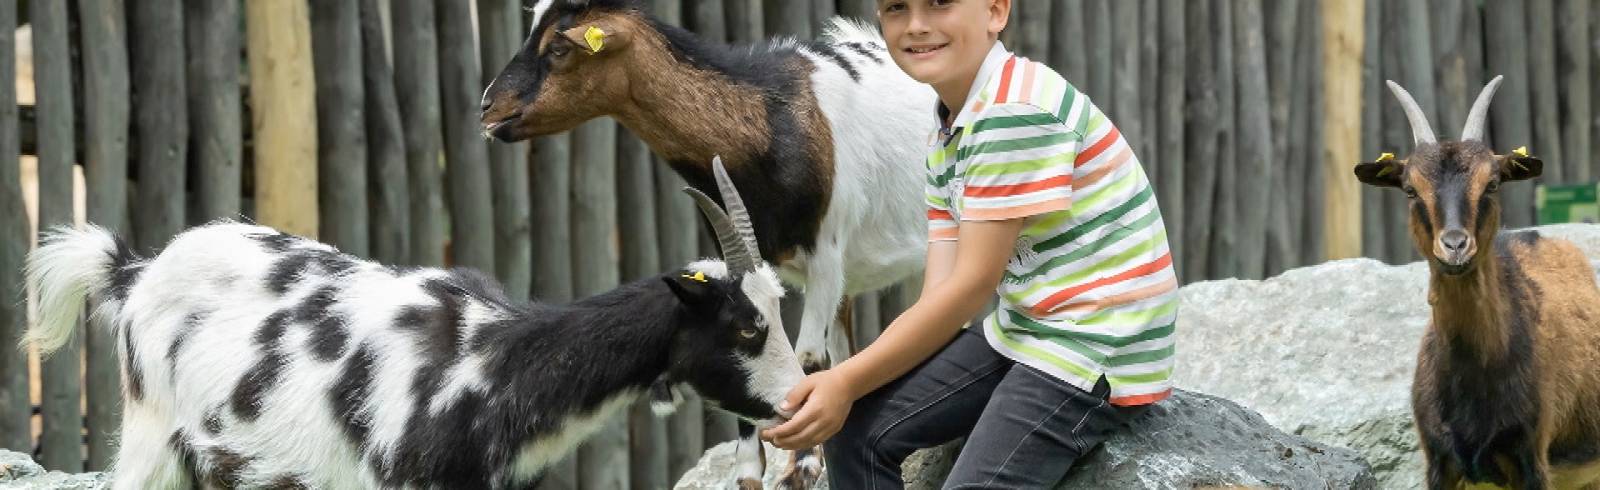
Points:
[(823, 399)]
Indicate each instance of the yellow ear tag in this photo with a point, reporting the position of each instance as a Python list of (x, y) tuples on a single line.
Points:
[(596, 39), (697, 277), (1385, 171), (1386, 157), (1521, 151)]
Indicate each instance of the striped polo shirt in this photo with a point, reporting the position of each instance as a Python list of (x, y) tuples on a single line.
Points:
[(1090, 290)]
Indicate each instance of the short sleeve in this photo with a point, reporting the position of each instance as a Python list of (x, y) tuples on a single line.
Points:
[(1019, 160)]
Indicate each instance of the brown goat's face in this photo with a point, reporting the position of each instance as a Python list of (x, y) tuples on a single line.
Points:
[(573, 68), (1452, 189)]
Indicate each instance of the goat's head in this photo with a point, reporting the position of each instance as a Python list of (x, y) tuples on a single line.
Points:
[(733, 349), (1452, 185), (574, 64)]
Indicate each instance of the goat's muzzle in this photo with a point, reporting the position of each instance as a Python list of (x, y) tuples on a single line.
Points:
[(1454, 250)]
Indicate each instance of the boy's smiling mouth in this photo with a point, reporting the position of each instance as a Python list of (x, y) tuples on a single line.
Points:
[(922, 50)]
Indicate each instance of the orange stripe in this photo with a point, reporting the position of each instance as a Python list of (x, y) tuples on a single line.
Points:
[(1005, 80), (1094, 176), (1023, 211), (939, 214), (1044, 308), (1129, 297), (977, 106), (1016, 189), (1133, 400), (1027, 82), (1099, 146), (946, 233)]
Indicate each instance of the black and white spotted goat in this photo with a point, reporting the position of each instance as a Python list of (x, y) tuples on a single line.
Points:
[(251, 358)]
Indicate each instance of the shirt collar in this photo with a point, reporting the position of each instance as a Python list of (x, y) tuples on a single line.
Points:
[(998, 54)]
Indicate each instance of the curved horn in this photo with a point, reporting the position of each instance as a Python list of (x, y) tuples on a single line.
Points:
[(1477, 119), (735, 206), (1421, 132), (733, 248)]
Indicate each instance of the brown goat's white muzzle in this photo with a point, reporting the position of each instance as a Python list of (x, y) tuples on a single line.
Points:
[(1454, 249)]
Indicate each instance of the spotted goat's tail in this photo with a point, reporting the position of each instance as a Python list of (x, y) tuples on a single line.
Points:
[(71, 266)]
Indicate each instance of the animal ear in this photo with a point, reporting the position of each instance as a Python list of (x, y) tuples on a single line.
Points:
[(597, 37), (692, 287), (1519, 165), (1385, 172)]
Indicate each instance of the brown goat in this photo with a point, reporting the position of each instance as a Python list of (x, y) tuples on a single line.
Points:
[(1507, 388)]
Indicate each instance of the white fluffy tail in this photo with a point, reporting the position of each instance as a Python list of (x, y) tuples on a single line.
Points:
[(69, 265)]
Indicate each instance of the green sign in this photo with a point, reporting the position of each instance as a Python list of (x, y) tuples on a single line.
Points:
[(1568, 203)]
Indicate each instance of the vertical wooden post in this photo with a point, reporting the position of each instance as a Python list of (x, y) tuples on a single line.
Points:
[(1306, 143), (603, 460), (708, 18), (1124, 107), (789, 18), (1097, 42), (1255, 170), (1510, 121), (822, 13), (466, 157), (1149, 87), (1200, 138), (1396, 132), (214, 106), (1278, 20), (105, 128), (1572, 56), (500, 34), (61, 442), (281, 98), (864, 10), (746, 20), (550, 178), (1067, 53), (1448, 28), (1341, 62), (1169, 155), (156, 45), (1374, 236), (1225, 236), (1032, 21), (15, 408), (416, 86), (636, 206), (1542, 83), (389, 198), (341, 125)]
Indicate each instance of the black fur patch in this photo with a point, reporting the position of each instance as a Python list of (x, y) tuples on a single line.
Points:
[(870, 51), (130, 361), (213, 421), (190, 324), (327, 328), (274, 242), (350, 393), (286, 271), (125, 269), (263, 376), (439, 335), (829, 52)]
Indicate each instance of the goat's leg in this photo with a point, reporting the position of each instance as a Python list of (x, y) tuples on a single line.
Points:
[(749, 458), (1533, 464), (1441, 471), (824, 287), (146, 457), (805, 468), (841, 334)]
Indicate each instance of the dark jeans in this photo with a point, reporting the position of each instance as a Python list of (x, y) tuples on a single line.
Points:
[(1026, 427)]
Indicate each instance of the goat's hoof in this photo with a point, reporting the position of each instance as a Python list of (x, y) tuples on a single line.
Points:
[(749, 484), (802, 474)]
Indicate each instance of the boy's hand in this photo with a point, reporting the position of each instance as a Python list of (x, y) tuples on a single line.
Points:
[(824, 402)]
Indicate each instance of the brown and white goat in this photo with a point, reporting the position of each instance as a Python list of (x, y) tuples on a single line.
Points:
[(1507, 387)]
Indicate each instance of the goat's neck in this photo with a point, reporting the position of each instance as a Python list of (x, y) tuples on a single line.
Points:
[(1470, 310), (690, 114), (608, 343)]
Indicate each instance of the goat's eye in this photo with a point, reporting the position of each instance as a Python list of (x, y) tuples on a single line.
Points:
[(559, 49), (1411, 192), (1492, 187), (749, 333)]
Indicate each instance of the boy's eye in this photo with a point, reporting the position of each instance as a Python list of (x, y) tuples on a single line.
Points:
[(892, 7), (942, 3)]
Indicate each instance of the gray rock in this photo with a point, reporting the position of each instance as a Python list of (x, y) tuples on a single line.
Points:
[(1186, 441), (19, 472)]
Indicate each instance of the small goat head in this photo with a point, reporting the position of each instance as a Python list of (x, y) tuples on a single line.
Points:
[(735, 351), (1451, 185), (575, 58)]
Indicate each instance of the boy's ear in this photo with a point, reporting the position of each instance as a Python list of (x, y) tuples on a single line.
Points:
[(597, 37), (1518, 165), (1385, 172), (999, 15), (691, 287)]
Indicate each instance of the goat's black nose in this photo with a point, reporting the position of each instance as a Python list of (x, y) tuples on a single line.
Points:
[(1454, 240)]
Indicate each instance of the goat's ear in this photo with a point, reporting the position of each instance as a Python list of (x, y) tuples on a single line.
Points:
[(693, 288), (1385, 172), (597, 37), (1519, 165)]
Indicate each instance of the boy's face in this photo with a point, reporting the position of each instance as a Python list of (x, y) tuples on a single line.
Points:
[(941, 42)]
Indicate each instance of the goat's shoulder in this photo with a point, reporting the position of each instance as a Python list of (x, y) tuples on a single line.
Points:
[(1555, 264)]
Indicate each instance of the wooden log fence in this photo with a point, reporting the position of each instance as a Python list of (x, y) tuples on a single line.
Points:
[(362, 131)]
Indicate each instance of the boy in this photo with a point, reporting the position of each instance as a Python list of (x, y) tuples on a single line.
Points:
[(1034, 194)]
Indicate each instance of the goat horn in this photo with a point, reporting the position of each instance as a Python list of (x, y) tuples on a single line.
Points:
[(735, 206), (1421, 132), (733, 251), (1478, 117)]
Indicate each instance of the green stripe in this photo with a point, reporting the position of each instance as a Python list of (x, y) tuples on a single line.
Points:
[(1083, 203), (1130, 317), (1136, 379), (1084, 228), (997, 146), (1040, 354), (1140, 357), (938, 202), (1111, 341), (1003, 122), (1110, 263), (1071, 94), (1092, 123), (1087, 250), (939, 181), (1022, 166)]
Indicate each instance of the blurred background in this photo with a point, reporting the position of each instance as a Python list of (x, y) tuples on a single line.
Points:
[(355, 121)]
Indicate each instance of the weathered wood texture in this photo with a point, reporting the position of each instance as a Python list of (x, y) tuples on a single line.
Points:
[(1278, 22), (155, 43), (1199, 142), (281, 100), (636, 230), (1342, 36), (15, 407), (603, 460), (388, 192), (1542, 89), (500, 35), (416, 86), (1373, 233), (1572, 66), (1169, 158), (466, 156), (1510, 120), (215, 107), (550, 181), (60, 443), (1224, 259), (103, 39), (1254, 174), (341, 125)]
